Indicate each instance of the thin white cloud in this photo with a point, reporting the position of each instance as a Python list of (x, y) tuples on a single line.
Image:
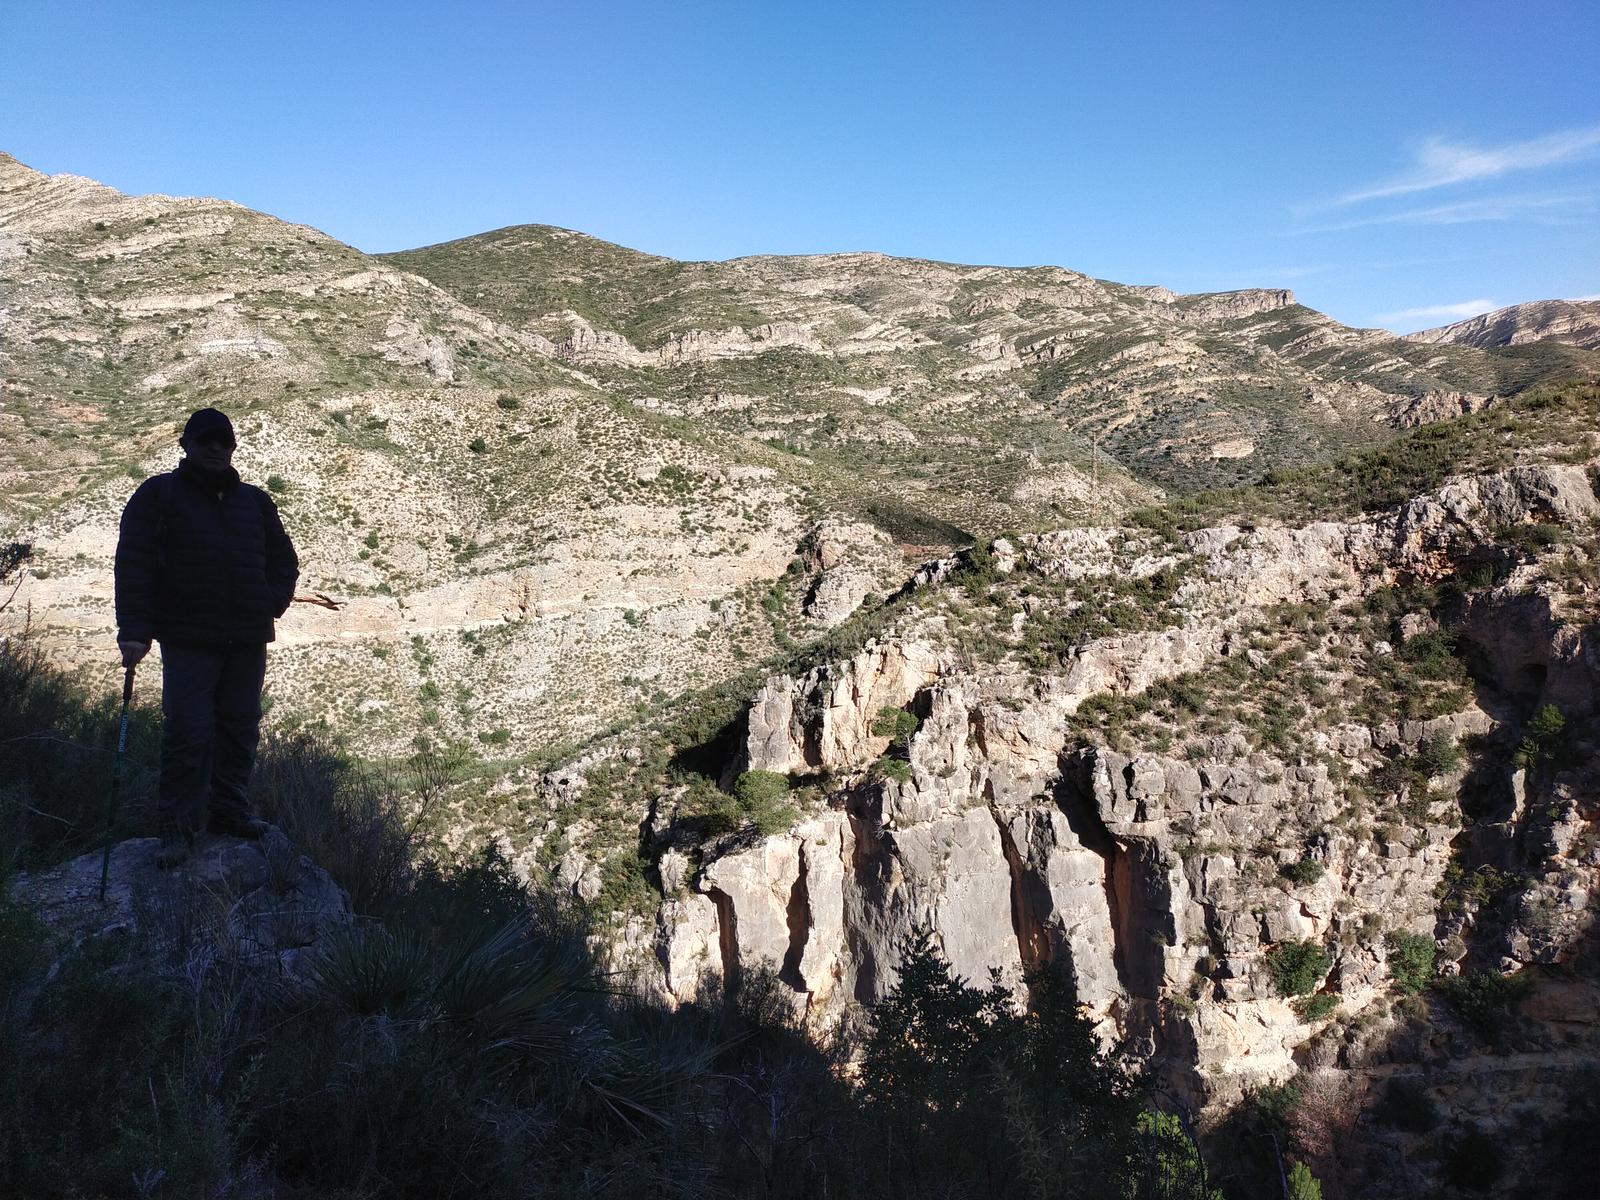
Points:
[(1441, 163), (1429, 312), (1267, 276), (1549, 210), (1585, 299)]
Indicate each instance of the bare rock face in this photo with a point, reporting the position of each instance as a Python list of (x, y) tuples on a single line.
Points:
[(1228, 306), (850, 560), (264, 897), (405, 341), (826, 716), (1435, 406)]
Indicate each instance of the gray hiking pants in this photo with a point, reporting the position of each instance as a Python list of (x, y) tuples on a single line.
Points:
[(211, 722)]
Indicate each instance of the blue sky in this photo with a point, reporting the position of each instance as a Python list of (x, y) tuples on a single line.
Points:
[(1396, 164)]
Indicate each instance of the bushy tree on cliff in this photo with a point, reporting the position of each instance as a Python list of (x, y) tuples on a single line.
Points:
[(963, 1086)]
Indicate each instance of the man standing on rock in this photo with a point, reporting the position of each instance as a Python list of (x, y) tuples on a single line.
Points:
[(203, 566)]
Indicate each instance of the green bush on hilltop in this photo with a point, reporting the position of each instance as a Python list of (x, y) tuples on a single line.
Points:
[(1302, 873), (896, 724), (762, 798)]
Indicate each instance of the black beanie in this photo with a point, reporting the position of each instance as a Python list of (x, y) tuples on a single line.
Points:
[(207, 420)]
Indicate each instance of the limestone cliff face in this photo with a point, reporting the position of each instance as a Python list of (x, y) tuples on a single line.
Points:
[(1155, 875)]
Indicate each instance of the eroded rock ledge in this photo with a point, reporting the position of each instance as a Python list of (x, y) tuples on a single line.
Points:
[(1153, 875)]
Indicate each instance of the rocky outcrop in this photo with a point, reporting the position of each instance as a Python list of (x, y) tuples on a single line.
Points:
[(849, 561), (826, 716), (263, 900), (1230, 306), (586, 344), (1435, 406), (1162, 880)]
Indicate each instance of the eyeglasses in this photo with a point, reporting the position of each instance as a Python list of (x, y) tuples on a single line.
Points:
[(221, 440)]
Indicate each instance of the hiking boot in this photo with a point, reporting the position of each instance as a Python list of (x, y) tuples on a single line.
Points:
[(237, 824), (175, 845)]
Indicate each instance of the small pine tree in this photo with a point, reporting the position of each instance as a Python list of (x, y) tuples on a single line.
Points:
[(1541, 737)]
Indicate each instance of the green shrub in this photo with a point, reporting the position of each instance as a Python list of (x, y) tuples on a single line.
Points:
[(371, 539), (1303, 873), (970, 1089), (1543, 736), (1303, 1184), (897, 769), (762, 800), (1411, 959), (756, 788), (1297, 967), (1317, 1007), (508, 403), (1432, 654), (478, 446), (896, 724), (1437, 755), (1486, 1000), (277, 484)]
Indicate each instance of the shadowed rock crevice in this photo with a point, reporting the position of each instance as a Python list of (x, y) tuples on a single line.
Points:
[(799, 918), (1074, 795), (1033, 941), (727, 938), (866, 918)]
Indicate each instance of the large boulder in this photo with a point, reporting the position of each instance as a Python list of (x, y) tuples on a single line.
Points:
[(265, 898)]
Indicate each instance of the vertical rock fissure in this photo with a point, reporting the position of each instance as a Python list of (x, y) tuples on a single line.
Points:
[(1033, 946), (798, 914), (727, 939), (866, 901), (1075, 797)]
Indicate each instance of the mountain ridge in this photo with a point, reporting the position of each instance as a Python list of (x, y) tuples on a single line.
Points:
[(1572, 322), (459, 447)]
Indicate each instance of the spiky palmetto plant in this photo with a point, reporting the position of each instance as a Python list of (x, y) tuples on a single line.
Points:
[(366, 970)]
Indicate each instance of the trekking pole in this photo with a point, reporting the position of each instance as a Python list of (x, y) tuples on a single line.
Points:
[(116, 777)]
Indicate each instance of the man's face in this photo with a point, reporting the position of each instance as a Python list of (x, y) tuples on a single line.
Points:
[(212, 451)]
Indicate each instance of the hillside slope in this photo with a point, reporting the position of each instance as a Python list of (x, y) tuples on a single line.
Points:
[(880, 363), (525, 557), (561, 482), (1570, 322)]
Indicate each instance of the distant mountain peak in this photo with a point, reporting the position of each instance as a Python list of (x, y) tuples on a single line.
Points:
[(1572, 322)]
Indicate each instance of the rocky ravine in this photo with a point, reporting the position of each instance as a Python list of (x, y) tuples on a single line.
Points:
[(1021, 837)]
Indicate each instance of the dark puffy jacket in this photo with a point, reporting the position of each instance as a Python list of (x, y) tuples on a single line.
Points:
[(202, 561)]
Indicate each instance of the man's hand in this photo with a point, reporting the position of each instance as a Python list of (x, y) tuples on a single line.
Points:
[(132, 652)]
